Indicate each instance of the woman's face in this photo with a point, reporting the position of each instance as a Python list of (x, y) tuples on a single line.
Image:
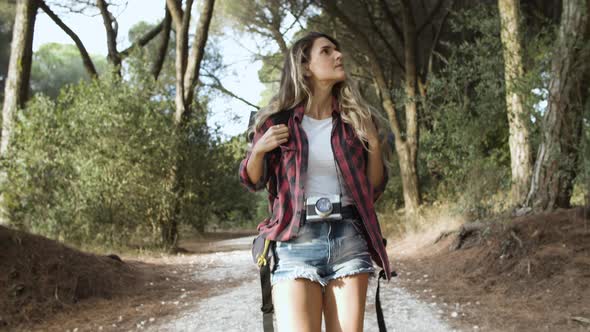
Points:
[(326, 64)]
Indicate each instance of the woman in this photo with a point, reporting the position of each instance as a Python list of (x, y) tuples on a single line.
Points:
[(318, 143)]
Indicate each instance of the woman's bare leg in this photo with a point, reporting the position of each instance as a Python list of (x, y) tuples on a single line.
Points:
[(298, 305), (344, 303)]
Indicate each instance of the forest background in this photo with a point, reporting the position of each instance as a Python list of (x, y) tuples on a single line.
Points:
[(487, 103)]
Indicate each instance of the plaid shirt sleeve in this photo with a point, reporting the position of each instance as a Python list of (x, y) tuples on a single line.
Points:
[(244, 178)]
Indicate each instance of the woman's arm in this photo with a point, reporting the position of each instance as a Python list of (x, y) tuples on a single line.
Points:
[(376, 171), (375, 163), (255, 166), (253, 173)]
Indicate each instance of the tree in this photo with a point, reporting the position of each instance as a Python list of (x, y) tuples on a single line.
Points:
[(268, 19), (187, 75), (88, 64), (19, 71), (115, 57), (7, 9), (159, 54), (378, 38), (518, 117), (274, 21), (55, 65), (111, 27), (557, 156)]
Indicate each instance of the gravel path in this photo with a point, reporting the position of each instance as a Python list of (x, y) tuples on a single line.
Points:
[(234, 301)]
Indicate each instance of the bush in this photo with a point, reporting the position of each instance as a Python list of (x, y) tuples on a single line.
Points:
[(94, 166), (89, 166)]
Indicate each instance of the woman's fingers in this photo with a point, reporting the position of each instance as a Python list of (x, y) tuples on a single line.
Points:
[(281, 136), (276, 135), (281, 129)]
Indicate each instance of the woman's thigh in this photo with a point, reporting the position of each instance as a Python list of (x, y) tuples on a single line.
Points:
[(298, 305), (344, 303)]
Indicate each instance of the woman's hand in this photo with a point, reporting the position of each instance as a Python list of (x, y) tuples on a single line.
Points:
[(273, 137)]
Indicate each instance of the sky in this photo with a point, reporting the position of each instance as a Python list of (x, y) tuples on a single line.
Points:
[(241, 78)]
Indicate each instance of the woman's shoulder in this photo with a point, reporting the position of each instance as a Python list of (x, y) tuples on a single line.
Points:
[(280, 117)]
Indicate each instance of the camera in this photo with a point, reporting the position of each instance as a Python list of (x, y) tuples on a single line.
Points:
[(323, 208)]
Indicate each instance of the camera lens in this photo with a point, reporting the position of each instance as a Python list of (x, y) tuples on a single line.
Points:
[(323, 206)]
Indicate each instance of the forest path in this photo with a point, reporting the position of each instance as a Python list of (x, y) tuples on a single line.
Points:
[(233, 299)]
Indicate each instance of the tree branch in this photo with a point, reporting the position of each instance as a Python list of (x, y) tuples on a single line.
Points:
[(109, 20), (163, 47), (275, 28), (298, 15), (430, 55), (383, 38), (430, 16), (200, 39), (143, 40), (221, 88), (374, 63), (88, 64), (391, 19)]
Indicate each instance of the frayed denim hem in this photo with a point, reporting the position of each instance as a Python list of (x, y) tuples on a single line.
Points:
[(299, 274), (369, 270), (303, 274)]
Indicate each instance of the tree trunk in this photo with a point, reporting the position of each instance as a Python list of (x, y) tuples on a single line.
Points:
[(112, 28), (409, 174), (518, 117), (187, 75), (17, 80), (557, 158), (408, 153), (407, 148)]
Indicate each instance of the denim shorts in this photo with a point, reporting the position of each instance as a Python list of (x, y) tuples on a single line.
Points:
[(323, 251)]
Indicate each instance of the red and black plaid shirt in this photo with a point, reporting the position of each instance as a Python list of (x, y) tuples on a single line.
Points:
[(285, 169)]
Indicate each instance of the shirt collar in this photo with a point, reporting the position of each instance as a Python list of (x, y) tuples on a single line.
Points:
[(300, 109)]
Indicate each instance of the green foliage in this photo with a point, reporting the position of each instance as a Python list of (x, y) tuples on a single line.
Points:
[(57, 65), (88, 167), (464, 127), (232, 205), (93, 166), (142, 59)]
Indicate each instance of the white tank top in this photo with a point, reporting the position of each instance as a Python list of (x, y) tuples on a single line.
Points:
[(322, 178)]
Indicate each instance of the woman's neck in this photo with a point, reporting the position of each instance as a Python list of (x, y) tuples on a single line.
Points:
[(321, 103)]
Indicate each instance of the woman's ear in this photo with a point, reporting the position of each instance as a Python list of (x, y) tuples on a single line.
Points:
[(306, 71)]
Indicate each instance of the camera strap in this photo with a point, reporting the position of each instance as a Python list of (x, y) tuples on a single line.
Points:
[(338, 178)]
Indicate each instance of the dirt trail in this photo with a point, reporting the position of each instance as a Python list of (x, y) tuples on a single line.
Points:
[(233, 299), (530, 273)]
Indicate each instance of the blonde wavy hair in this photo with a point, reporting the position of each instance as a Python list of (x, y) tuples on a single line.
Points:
[(295, 89)]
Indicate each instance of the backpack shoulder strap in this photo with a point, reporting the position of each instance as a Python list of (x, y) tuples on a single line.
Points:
[(281, 117)]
